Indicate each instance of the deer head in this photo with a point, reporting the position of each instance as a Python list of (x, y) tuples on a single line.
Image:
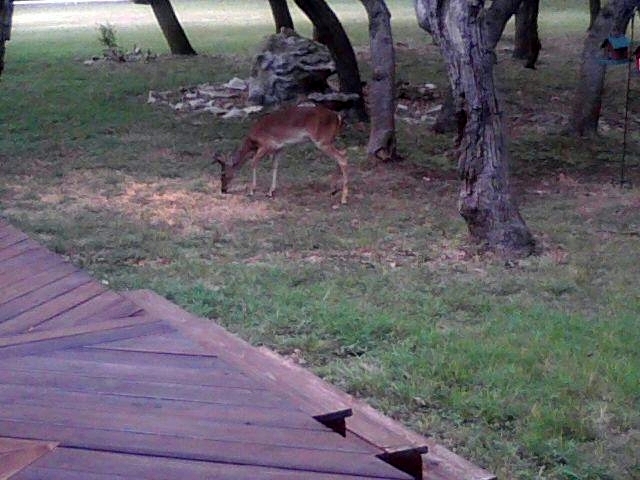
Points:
[(226, 171)]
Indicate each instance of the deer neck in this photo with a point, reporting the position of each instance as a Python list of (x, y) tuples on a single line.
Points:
[(241, 155)]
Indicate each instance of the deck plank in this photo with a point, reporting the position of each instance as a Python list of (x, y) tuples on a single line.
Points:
[(40, 342), (33, 472), (107, 304), (72, 464), (175, 344), (17, 454), (23, 267), (12, 238), (158, 368), (98, 357), (5, 229), (241, 452), (28, 319), (34, 282), (36, 298), (281, 414), (176, 425), (21, 248), (130, 388)]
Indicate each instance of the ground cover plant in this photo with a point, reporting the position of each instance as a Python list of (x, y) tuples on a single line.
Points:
[(528, 368)]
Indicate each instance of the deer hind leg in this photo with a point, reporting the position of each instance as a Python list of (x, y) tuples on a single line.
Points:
[(260, 154), (339, 156)]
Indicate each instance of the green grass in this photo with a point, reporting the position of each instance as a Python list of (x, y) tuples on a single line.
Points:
[(529, 369)]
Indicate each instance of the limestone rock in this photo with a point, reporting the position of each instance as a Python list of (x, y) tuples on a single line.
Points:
[(236, 84), (287, 66)]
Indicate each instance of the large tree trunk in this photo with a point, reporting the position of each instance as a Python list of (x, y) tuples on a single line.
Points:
[(485, 201), (281, 14), (171, 28), (329, 31), (6, 14), (612, 19), (527, 44), (382, 89)]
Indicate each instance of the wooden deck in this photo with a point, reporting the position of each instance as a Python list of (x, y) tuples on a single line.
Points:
[(96, 384)]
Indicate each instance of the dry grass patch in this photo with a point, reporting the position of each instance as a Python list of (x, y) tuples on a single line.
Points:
[(163, 203)]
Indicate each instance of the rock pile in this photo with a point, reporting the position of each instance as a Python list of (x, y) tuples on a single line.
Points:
[(115, 54), (228, 100), (417, 104)]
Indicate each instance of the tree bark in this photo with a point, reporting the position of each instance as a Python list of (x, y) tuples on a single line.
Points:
[(171, 28), (281, 14), (587, 105), (485, 201), (382, 89), (527, 44), (331, 33), (6, 14)]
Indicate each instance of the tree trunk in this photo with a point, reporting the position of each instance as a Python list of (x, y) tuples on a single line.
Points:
[(330, 33), (527, 44), (485, 200), (446, 118), (594, 10), (171, 28), (587, 104), (382, 89), (494, 21), (6, 14), (281, 14)]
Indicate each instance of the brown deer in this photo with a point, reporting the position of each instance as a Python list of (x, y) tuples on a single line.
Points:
[(288, 126)]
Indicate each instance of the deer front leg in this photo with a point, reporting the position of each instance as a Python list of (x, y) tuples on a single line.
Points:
[(345, 187), (274, 174), (254, 181)]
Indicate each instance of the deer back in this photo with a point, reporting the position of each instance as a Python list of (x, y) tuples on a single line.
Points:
[(293, 125)]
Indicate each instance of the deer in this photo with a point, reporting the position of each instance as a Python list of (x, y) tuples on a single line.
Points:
[(274, 131)]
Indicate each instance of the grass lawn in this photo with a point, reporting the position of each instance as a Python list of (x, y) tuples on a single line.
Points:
[(530, 369)]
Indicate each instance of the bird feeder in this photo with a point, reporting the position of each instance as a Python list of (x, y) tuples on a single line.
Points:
[(615, 49)]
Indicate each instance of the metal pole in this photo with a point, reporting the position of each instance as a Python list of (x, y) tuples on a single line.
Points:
[(623, 165)]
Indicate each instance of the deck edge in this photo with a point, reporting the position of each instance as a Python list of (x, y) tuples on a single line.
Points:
[(315, 396)]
